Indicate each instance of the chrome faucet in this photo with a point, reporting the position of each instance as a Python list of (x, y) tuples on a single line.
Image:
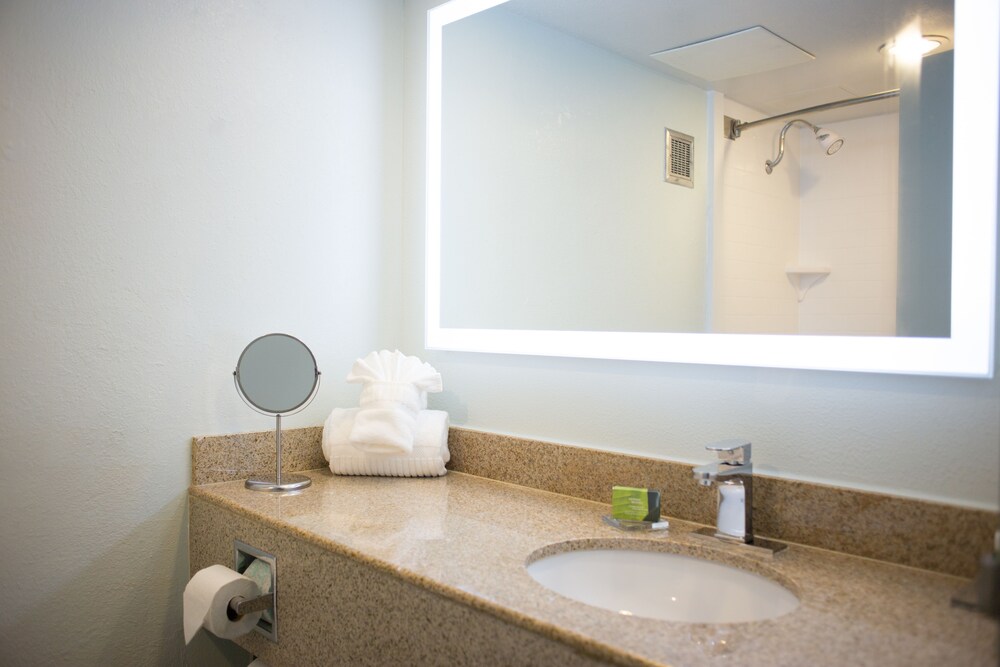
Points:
[(733, 476)]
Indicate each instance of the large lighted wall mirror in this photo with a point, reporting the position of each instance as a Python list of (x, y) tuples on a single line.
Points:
[(774, 183)]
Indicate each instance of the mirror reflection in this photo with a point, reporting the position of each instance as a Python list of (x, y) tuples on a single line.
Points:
[(591, 180)]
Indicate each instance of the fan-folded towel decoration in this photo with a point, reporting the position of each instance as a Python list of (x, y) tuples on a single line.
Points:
[(395, 390), (391, 433)]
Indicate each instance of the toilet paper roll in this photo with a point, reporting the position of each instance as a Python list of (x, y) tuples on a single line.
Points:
[(206, 602)]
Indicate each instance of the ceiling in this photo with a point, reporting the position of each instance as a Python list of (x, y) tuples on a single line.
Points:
[(843, 35)]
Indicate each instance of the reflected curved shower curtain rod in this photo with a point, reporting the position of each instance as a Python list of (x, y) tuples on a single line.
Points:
[(830, 140), (734, 128)]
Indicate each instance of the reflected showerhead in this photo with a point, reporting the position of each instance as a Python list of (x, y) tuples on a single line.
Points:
[(829, 140)]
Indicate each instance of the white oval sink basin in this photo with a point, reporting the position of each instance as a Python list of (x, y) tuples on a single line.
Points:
[(664, 586)]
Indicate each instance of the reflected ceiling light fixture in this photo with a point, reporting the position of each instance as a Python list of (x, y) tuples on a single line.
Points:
[(912, 46), (829, 140)]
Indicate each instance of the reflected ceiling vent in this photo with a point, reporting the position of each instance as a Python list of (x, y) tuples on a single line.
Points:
[(748, 51), (678, 158)]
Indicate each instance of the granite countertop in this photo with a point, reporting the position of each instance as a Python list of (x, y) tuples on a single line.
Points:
[(468, 538)]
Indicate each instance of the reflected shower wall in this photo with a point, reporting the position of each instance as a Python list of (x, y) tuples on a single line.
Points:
[(755, 231), (877, 215), (814, 212)]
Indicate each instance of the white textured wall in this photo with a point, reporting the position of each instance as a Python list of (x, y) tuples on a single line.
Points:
[(554, 194), (914, 436), (849, 216), (813, 210), (175, 179)]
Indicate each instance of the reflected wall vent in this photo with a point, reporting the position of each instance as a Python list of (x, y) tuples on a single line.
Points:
[(678, 158)]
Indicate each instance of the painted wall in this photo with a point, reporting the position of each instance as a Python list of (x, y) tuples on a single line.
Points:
[(175, 179), (555, 199), (178, 178), (914, 436)]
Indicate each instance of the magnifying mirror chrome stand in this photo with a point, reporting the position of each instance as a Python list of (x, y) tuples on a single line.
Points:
[(278, 482)]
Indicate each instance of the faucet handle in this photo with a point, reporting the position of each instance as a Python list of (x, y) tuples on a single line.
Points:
[(734, 452)]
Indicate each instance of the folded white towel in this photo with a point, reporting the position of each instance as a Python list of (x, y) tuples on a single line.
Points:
[(395, 390), (427, 459)]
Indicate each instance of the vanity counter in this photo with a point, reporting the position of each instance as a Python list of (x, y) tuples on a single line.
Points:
[(467, 539)]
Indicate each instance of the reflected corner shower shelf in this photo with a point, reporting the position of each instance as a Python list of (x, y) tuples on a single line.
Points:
[(804, 278)]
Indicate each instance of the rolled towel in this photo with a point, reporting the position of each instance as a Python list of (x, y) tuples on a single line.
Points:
[(387, 417), (386, 429), (427, 459)]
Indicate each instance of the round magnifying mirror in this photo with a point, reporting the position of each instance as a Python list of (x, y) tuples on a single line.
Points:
[(277, 375)]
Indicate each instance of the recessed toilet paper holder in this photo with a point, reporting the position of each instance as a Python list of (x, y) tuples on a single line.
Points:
[(245, 556)]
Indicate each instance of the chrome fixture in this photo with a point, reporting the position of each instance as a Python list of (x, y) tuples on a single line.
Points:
[(734, 468), (277, 375), (246, 557), (734, 128), (828, 139), (732, 475), (240, 606), (983, 593)]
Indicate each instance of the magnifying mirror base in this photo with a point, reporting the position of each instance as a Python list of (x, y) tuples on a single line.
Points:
[(269, 483)]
